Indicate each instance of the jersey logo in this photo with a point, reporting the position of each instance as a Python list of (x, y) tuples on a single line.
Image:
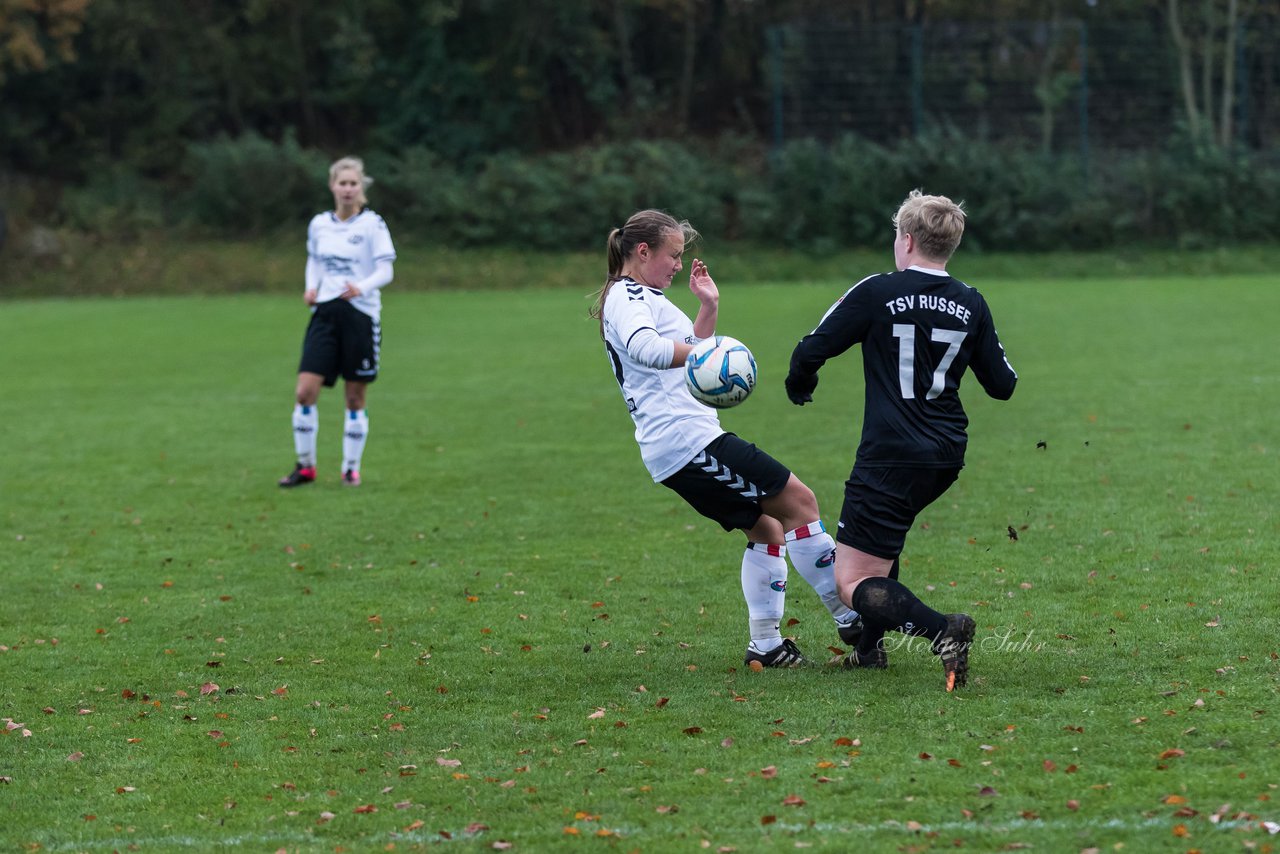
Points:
[(635, 294), (631, 404), (356, 239)]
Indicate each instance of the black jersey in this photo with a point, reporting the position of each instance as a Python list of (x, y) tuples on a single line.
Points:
[(919, 331)]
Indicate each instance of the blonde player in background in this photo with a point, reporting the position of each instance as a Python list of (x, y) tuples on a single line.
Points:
[(349, 258)]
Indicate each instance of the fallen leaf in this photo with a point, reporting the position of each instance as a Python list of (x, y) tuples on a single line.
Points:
[(448, 763), (366, 808), (75, 757), (793, 801)]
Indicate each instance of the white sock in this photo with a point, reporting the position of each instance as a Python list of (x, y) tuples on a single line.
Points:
[(813, 554), (764, 585), (305, 423), (355, 431)]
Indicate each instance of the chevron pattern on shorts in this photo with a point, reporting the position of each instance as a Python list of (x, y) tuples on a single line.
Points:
[(721, 472)]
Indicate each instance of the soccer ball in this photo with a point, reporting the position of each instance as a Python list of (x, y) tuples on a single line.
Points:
[(720, 372)]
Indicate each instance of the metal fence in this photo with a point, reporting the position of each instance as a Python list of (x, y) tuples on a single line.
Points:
[(1064, 86)]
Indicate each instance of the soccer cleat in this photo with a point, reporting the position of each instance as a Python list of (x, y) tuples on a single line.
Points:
[(953, 648), (850, 632), (786, 655), (301, 474), (877, 659), (351, 477)]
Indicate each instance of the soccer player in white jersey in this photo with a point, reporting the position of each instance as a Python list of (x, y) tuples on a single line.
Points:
[(647, 339), (349, 258)]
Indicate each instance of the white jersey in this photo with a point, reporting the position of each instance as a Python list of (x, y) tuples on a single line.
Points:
[(353, 251), (671, 427)]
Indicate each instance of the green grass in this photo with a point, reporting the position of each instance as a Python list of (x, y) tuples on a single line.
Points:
[(162, 263), (509, 634)]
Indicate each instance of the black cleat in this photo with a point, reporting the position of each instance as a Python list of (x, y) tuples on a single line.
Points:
[(787, 655), (953, 648), (877, 659), (850, 632), (301, 474)]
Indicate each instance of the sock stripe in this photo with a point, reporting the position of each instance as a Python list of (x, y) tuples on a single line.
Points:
[(813, 529), (770, 549)]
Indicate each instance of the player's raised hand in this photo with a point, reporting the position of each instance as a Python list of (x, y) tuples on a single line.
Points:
[(701, 283)]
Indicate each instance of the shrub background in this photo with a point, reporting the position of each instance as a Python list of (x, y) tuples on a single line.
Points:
[(806, 194)]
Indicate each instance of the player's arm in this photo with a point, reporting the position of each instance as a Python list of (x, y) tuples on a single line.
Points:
[(841, 327), (627, 310), (384, 255), (990, 364), (313, 274), (382, 275), (708, 295), (314, 271)]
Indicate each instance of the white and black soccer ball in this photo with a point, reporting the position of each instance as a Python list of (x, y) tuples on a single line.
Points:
[(720, 372)]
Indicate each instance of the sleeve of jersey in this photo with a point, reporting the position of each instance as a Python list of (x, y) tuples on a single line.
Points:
[(840, 328), (633, 320), (382, 247), (990, 364)]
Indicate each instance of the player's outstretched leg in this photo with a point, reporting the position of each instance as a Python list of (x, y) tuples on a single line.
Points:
[(813, 553), (764, 586), (887, 605)]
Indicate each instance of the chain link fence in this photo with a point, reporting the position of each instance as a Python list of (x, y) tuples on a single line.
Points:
[(1063, 86)]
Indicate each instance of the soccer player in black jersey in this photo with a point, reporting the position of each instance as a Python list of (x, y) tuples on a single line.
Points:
[(920, 329)]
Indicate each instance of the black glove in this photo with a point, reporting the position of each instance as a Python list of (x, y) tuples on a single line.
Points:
[(800, 388)]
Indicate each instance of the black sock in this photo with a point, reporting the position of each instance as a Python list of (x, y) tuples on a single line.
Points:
[(887, 605), (893, 570)]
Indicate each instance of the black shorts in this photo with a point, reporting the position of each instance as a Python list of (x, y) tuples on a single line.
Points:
[(881, 504), (341, 340), (726, 481)]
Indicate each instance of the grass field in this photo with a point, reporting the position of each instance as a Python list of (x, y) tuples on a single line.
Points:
[(510, 638)]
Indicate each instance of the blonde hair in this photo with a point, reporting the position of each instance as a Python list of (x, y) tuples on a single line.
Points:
[(936, 222), (355, 164), (647, 226)]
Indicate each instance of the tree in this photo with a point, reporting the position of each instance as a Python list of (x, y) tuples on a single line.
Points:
[(1204, 34), (34, 31)]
